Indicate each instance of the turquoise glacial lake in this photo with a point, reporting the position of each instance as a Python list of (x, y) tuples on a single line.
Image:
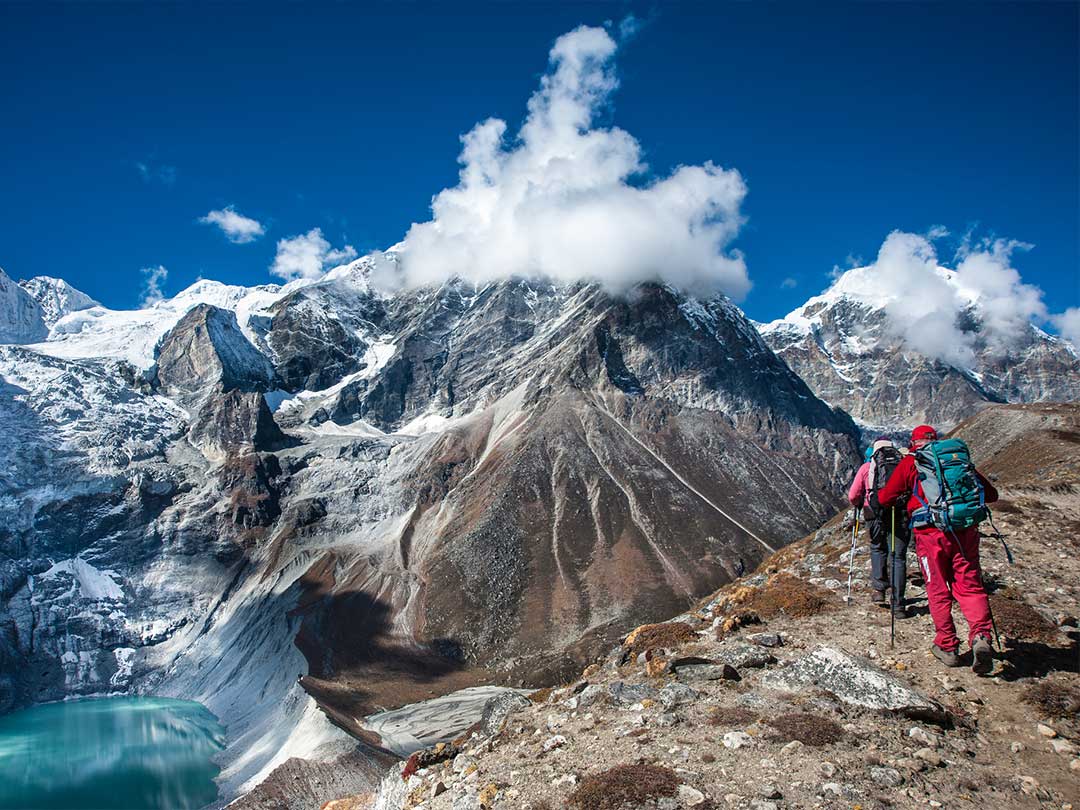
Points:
[(110, 754)]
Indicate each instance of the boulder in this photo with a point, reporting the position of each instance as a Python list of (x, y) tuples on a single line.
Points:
[(707, 672), (737, 739), (499, 708), (855, 681), (766, 639), (676, 694), (591, 694), (742, 656), (624, 694)]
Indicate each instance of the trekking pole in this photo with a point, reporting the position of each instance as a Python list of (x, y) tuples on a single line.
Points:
[(999, 536), (993, 624), (851, 556), (892, 578), (1009, 557)]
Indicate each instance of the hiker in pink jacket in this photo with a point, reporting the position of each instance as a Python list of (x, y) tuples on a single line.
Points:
[(857, 494), (888, 542)]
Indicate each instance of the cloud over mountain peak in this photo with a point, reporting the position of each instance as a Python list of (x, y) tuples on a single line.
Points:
[(569, 200)]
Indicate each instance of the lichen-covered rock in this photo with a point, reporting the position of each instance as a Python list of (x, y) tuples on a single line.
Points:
[(624, 694), (499, 708), (856, 681), (744, 656)]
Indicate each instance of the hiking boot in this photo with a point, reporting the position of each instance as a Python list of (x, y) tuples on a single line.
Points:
[(877, 597), (982, 654), (899, 612), (948, 657)]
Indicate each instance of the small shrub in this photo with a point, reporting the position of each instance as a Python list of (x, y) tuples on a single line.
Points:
[(624, 785), (1053, 700), (659, 636), (790, 596), (730, 716), (1017, 619), (742, 618), (809, 729), (540, 695)]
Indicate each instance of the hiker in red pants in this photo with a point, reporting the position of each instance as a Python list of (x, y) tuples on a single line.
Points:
[(949, 560)]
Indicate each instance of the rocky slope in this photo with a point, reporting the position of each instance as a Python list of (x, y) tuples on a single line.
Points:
[(391, 496), (776, 693), (842, 343)]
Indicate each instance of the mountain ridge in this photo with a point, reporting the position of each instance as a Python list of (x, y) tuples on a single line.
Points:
[(383, 494), (845, 344)]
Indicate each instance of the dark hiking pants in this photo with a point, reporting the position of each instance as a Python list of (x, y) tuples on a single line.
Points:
[(879, 554)]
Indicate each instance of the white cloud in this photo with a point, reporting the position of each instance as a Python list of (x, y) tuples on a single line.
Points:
[(307, 256), (789, 283), (156, 172), (1007, 306), (629, 27), (926, 303), (155, 277), (557, 200), (1068, 325), (236, 227)]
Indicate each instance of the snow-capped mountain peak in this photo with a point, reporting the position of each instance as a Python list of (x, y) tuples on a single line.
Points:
[(892, 358), (862, 287), (56, 297)]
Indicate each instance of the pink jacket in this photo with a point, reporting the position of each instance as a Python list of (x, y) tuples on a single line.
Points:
[(857, 493)]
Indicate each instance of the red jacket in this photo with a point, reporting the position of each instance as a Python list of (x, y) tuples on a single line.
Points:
[(905, 479)]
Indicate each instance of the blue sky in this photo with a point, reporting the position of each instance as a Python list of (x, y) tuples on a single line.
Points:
[(125, 124)]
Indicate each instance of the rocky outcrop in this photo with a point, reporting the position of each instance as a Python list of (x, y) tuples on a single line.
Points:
[(319, 335), (206, 351), (206, 363), (234, 422)]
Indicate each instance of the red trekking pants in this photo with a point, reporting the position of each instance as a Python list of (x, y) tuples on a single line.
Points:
[(950, 565)]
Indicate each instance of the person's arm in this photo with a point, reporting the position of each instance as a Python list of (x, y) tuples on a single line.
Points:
[(990, 493), (858, 487), (900, 483)]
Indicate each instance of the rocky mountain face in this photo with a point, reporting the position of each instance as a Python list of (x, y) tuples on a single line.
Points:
[(842, 344), (390, 496)]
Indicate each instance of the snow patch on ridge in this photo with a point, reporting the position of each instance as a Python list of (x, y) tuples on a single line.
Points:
[(376, 357), (92, 582)]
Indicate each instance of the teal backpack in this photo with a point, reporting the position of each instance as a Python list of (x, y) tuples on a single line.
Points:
[(952, 495)]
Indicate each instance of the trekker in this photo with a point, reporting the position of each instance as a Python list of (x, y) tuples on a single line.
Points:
[(882, 460), (944, 518)]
